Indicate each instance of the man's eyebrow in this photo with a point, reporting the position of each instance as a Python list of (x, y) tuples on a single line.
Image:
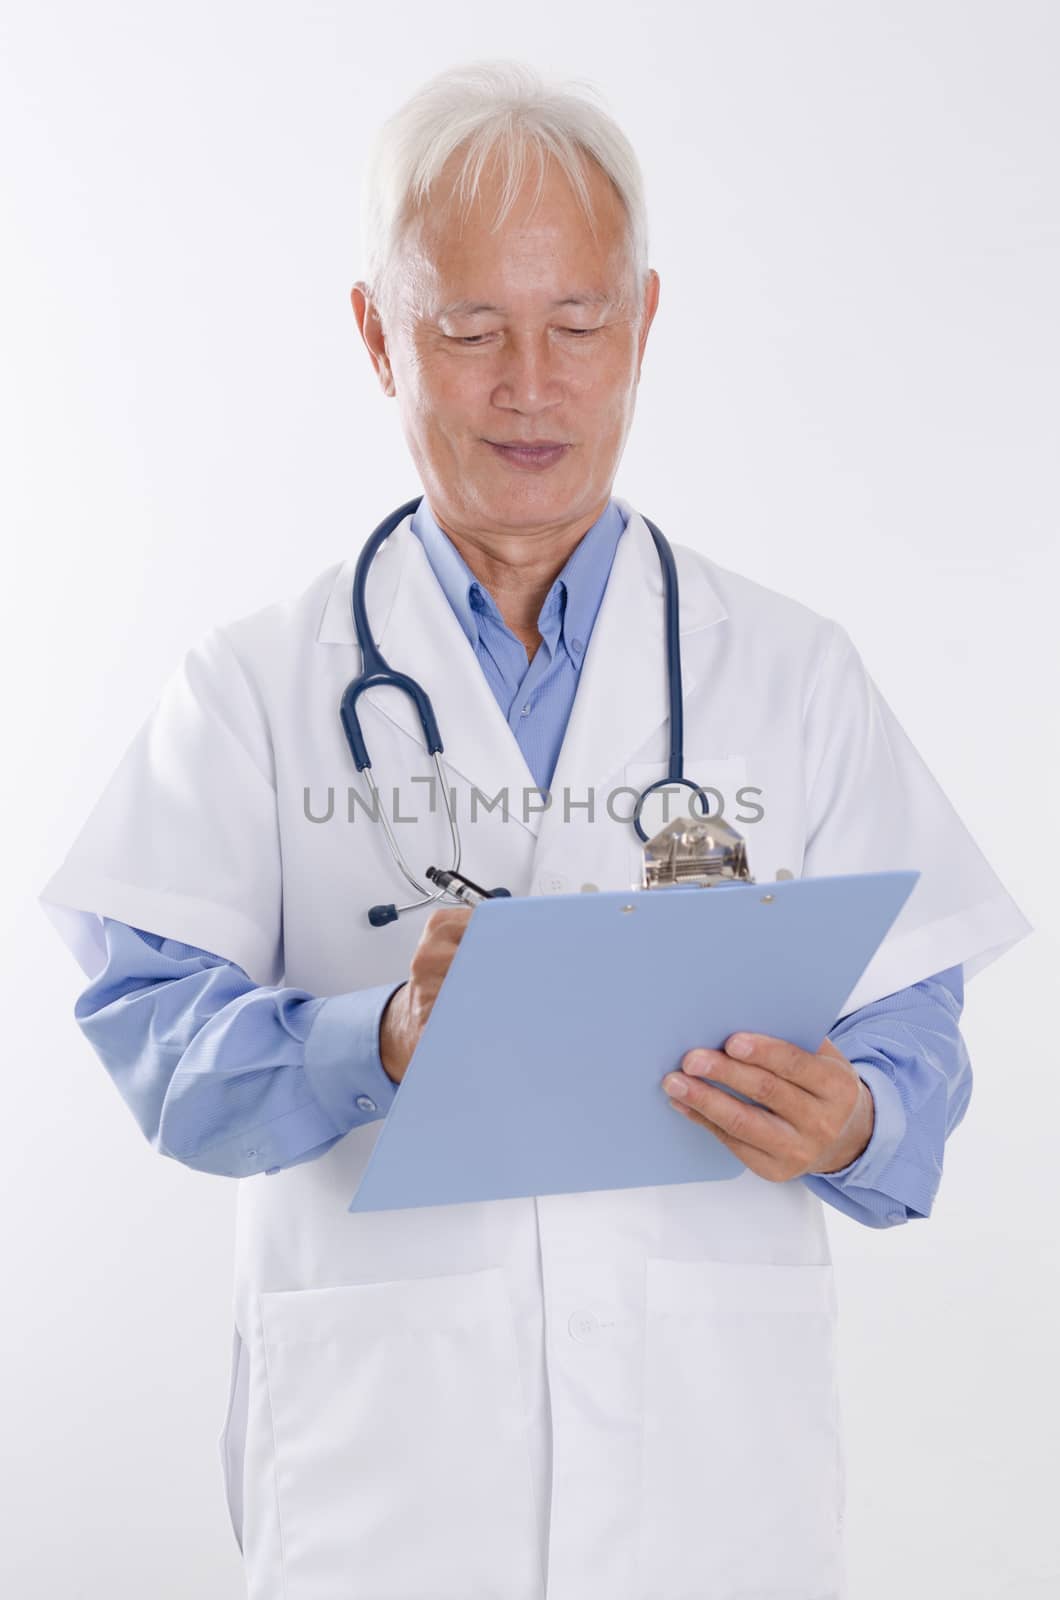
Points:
[(472, 308)]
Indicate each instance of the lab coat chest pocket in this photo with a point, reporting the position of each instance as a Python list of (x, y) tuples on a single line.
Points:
[(750, 790), (742, 1470), (401, 1449), (719, 776)]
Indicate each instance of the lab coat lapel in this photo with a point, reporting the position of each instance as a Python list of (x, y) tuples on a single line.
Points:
[(419, 635), (622, 695)]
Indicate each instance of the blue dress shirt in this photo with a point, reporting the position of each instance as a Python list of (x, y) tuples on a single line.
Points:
[(236, 1078), (536, 696)]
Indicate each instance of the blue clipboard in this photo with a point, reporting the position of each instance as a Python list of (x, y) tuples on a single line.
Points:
[(540, 1068)]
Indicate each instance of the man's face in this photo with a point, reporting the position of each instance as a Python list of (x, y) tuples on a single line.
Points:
[(529, 333)]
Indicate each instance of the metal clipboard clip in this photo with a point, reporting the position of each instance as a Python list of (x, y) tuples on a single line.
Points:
[(701, 851)]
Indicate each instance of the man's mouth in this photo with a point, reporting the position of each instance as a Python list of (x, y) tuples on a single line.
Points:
[(536, 454)]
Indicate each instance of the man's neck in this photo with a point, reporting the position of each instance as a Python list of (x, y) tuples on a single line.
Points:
[(520, 569)]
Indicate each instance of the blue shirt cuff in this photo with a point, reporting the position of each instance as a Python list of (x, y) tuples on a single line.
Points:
[(342, 1061), (888, 1130), (866, 1188)]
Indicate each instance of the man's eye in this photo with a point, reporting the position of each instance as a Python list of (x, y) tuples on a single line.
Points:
[(480, 338)]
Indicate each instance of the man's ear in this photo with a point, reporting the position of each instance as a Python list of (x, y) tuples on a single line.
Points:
[(650, 306), (370, 327)]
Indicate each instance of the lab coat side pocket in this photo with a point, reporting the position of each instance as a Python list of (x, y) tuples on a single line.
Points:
[(741, 1464), (402, 1452), (231, 1441)]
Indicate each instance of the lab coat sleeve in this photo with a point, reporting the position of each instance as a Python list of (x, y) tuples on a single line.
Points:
[(873, 806), (184, 840)]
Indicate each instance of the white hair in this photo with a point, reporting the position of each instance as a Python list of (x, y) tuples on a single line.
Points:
[(482, 108)]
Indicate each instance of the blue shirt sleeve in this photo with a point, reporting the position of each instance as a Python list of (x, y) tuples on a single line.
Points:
[(226, 1075), (908, 1049)]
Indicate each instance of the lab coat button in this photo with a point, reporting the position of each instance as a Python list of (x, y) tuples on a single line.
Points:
[(555, 884), (582, 1325), (364, 1103)]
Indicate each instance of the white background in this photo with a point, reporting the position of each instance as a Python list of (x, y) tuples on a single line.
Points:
[(850, 394)]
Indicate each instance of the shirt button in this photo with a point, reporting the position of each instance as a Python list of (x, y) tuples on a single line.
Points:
[(250, 1152), (576, 644), (525, 711), (583, 1326), (365, 1103)]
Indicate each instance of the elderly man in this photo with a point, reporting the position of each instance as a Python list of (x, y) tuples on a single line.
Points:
[(617, 1395)]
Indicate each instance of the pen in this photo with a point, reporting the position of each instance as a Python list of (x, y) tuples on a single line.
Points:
[(462, 889)]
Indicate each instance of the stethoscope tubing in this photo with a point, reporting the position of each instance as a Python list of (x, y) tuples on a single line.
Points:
[(376, 672)]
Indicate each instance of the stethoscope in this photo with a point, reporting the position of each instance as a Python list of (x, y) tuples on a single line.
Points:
[(377, 673)]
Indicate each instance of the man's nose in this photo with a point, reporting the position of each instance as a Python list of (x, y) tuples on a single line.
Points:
[(529, 378)]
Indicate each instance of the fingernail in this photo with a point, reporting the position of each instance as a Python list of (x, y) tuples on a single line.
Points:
[(676, 1085), (740, 1044), (699, 1063)]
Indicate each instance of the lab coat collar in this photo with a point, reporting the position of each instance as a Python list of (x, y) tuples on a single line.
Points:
[(622, 691)]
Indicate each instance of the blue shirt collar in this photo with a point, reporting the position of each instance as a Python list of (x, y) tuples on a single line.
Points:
[(571, 605)]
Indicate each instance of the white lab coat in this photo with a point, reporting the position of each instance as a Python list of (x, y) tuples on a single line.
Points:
[(622, 1395)]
